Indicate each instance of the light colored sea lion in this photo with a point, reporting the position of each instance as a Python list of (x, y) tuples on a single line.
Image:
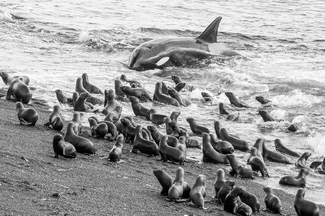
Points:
[(114, 115), (109, 102), (143, 145), (138, 109), (79, 104), (81, 144), (257, 163), (251, 200), (233, 116), (116, 152), (163, 98), (197, 192), (234, 205), (62, 148), (265, 115), (274, 156), (97, 129), (272, 202), (77, 125), (301, 162), (222, 110), (281, 148), (139, 93), (237, 143), (165, 181), (88, 86), (26, 116), (8, 79), (234, 101), (298, 181), (197, 129), (19, 91), (305, 207), (262, 100), (238, 170), (55, 120), (225, 190), (175, 94), (191, 142), (62, 98), (156, 118), (179, 188), (131, 82), (219, 182), (170, 153), (209, 154), (220, 146)]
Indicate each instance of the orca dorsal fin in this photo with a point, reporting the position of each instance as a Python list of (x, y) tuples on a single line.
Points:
[(211, 32)]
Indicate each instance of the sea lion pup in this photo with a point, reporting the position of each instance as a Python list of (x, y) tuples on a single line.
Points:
[(165, 181), (262, 100), (109, 102), (88, 86), (237, 143), (55, 119), (272, 202), (62, 98), (176, 79), (298, 181), (163, 98), (197, 192), (116, 152), (197, 129), (281, 148), (8, 79), (305, 207), (81, 144), (62, 148), (222, 110), (79, 103), (97, 130), (234, 101), (140, 93), (114, 115), (301, 163), (19, 91), (234, 205), (274, 156), (265, 115), (238, 170), (220, 181), (170, 153), (174, 94), (179, 188), (26, 116), (191, 142), (251, 200), (138, 109), (209, 154), (217, 128), (131, 82), (76, 123), (143, 145), (257, 163), (222, 147), (225, 190)]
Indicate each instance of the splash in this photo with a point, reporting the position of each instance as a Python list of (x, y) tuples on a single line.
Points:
[(295, 98)]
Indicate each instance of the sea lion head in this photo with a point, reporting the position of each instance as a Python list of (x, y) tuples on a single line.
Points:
[(179, 174), (19, 106), (220, 174), (200, 180), (267, 190), (300, 193), (230, 184)]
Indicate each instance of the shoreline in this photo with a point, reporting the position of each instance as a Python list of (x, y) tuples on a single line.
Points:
[(33, 182)]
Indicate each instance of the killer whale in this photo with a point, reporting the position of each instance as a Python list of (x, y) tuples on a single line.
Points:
[(159, 53)]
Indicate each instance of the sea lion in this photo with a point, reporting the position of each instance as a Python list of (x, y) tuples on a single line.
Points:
[(26, 116), (109, 103), (114, 115), (225, 190), (160, 97), (62, 148), (251, 200), (8, 79), (272, 202), (223, 147), (237, 143), (19, 91), (116, 152), (259, 147), (170, 153), (79, 104), (265, 115), (80, 89), (131, 82), (143, 145), (138, 109), (234, 101), (179, 188), (234, 205), (281, 148), (197, 192), (164, 88), (112, 129), (140, 93), (315, 164), (274, 156), (81, 144), (98, 130), (191, 142), (298, 181), (88, 86), (79, 86), (207, 96), (222, 110), (262, 100), (239, 170), (180, 86), (301, 163), (120, 95), (76, 123), (197, 129), (176, 79), (217, 128), (257, 163), (209, 154), (156, 118), (173, 129), (55, 120), (174, 94), (174, 115), (219, 182), (62, 98), (147, 134), (155, 133), (129, 129), (165, 181), (305, 207)]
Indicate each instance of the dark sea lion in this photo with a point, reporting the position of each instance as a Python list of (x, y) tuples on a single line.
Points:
[(156, 118), (79, 104), (257, 163), (180, 86), (114, 115), (62, 98), (210, 154), (62, 148), (179, 188), (293, 128), (170, 153), (164, 88), (55, 120), (19, 91), (206, 96), (155, 133), (120, 95), (143, 145), (234, 101), (262, 100), (97, 129), (303, 206), (236, 206), (174, 94), (76, 123), (138, 109), (176, 79), (88, 86), (191, 142), (131, 82), (238, 170), (81, 144), (163, 98), (222, 110), (110, 103), (298, 181), (165, 181), (174, 115), (225, 190), (79, 86), (259, 147), (315, 164), (251, 200), (116, 152), (169, 129), (281, 148), (237, 143), (301, 163), (197, 192), (219, 182), (129, 130), (8, 79), (272, 202), (220, 146), (265, 115), (197, 129), (217, 128), (140, 93), (274, 156), (112, 129), (26, 116)]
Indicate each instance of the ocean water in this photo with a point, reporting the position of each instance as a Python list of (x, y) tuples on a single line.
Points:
[(282, 40)]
